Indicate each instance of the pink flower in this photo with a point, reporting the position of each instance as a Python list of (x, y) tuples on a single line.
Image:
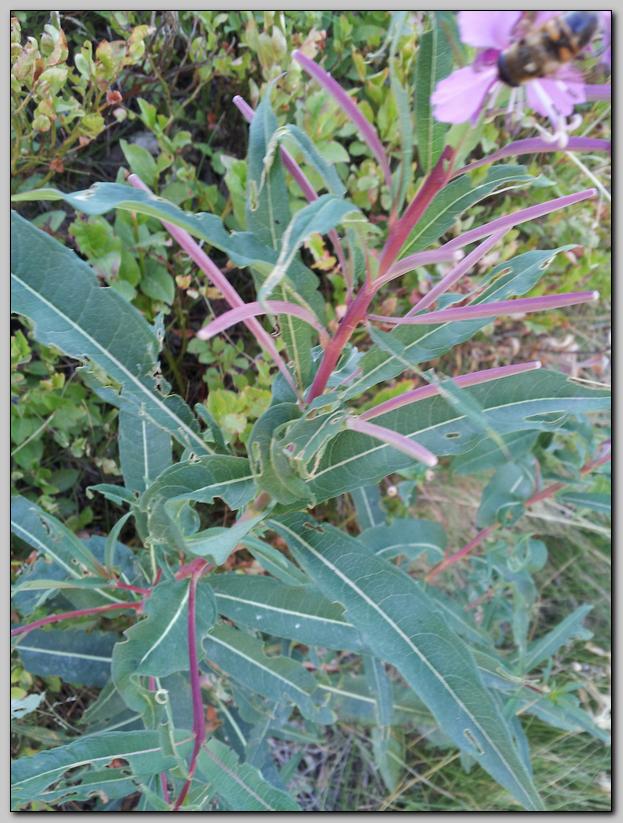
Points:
[(466, 92)]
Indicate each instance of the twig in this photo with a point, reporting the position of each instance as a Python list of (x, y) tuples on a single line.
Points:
[(550, 491)]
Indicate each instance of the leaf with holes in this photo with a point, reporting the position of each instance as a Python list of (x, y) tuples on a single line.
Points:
[(532, 401), (415, 639)]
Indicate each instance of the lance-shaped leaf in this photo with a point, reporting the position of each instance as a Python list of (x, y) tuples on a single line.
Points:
[(413, 345), (432, 389), (318, 217), (406, 536), (157, 644), (348, 105), (274, 561), (434, 62), (75, 656), (295, 612), (70, 310), (243, 658), (369, 507), (507, 221), (47, 535), (457, 196), (240, 785), (400, 624), (31, 775), (547, 646), (538, 400), (144, 450), (315, 159), (166, 503), (523, 305), (255, 309)]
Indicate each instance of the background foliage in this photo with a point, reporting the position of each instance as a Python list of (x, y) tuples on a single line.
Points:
[(98, 94)]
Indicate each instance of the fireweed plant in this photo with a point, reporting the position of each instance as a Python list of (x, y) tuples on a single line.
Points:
[(200, 666)]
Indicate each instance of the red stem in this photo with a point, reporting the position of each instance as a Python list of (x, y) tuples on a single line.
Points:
[(433, 182), (357, 310), (56, 618), (550, 491)]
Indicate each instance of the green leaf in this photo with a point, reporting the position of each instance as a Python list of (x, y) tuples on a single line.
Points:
[(416, 344), (170, 519), (503, 496), (315, 159), (487, 455), (41, 531), (78, 657), (157, 645), (295, 612), (319, 217), (61, 295), (240, 785), (144, 450), (406, 536), (274, 561), (594, 501), (279, 480), (457, 196), (536, 401), (31, 775), (434, 62), (435, 663), (369, 507), (243, 658), (140, 161), (545, 647), (268, 215)]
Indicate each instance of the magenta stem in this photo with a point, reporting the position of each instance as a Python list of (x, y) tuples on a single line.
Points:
[(349, 106), (395, 439), (432, 389), (233, 316), (57, 618), (456, 273), (357, 310), (308, 190), (355, 314), (407, 264), (216, 276), (535, 145), (480, 310), (516, 218)]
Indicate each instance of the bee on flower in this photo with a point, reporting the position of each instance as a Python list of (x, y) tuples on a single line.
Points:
[(531, 53)]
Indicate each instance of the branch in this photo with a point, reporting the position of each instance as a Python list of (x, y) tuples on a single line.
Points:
[(216, 276), (550, 491), (535, 145), (57, 618)]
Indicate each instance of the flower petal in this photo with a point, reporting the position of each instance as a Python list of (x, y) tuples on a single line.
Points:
[(487, 29), (461, 95), (547, 94)]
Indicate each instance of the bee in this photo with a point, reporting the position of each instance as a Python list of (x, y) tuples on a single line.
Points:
[(540, 52)]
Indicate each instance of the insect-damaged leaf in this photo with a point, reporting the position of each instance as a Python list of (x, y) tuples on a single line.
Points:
[(401, 625)]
